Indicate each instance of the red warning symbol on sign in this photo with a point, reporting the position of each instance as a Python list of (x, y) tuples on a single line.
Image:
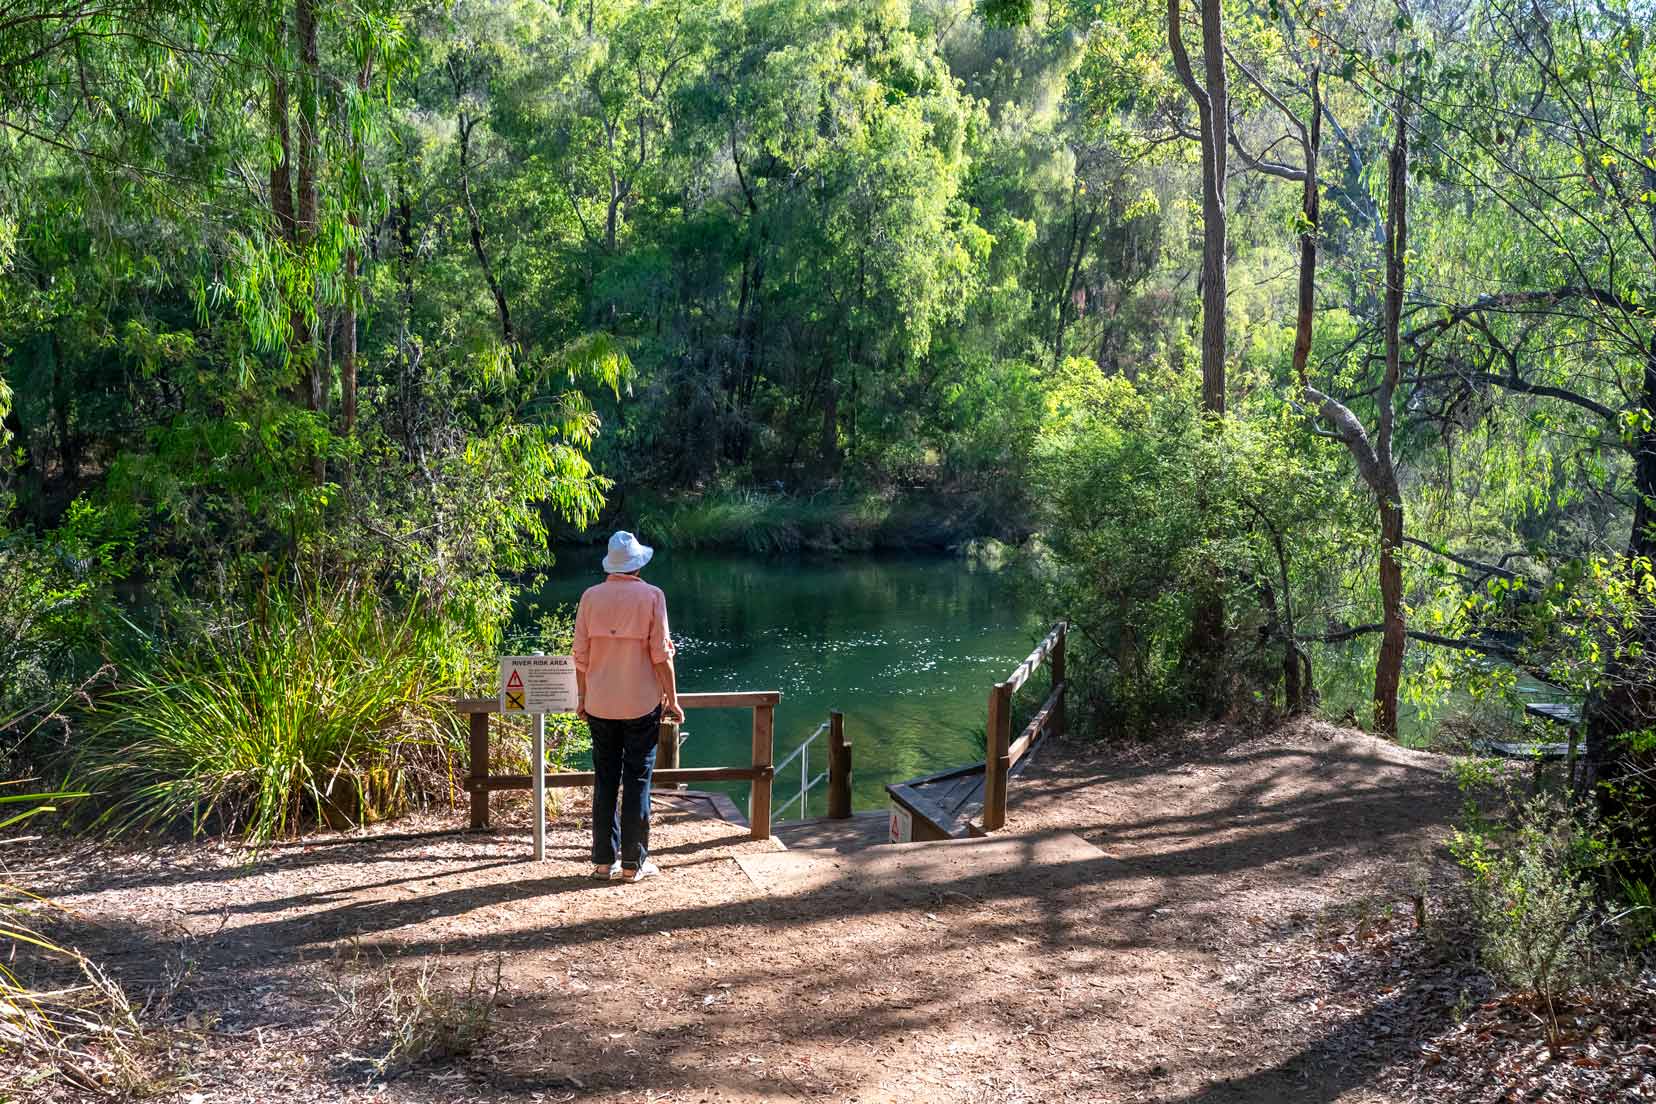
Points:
[(515, 682)]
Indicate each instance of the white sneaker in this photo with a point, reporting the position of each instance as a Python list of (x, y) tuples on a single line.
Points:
[(602, 873), (648, 870)]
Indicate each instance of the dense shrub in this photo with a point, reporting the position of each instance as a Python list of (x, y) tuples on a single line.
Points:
[(1154, 512), (1532, 900)]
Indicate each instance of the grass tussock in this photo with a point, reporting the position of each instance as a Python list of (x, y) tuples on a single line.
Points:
[(324, 708), (62, 1019), (397, 1018)]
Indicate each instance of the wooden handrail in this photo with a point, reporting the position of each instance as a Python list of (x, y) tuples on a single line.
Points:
[(479, 783), (1021, 674), (1032, 731), (1002, 752), (569, 779)]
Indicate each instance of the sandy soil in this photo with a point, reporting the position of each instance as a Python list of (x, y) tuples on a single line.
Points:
[(1162, 970)]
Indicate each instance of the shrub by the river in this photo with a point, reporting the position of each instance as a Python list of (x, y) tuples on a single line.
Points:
[(1153, 513), (323, 707)]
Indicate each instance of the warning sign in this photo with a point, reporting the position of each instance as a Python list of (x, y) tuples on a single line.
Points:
[(902, 824), (537, 684)]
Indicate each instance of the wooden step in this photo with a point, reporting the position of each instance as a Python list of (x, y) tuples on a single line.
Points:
[(852, 833)]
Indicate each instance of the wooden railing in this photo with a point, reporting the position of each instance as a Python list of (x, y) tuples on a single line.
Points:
[(480, 783), (837, 773), (1003, 751)]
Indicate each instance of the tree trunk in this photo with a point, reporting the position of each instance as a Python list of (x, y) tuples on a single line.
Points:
[(1213, 109), (1618, 779), (305, 204), (829, 456), (1388, 667), (1214, 276), (353, 293)]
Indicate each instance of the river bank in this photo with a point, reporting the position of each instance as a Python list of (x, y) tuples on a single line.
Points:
[(771, 519)]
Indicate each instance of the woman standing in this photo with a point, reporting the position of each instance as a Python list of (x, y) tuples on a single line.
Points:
[(626, 685)]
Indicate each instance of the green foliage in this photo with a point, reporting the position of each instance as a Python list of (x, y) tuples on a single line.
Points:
[(56, 607), (1153, 512), (323, 706), (1532, 901)]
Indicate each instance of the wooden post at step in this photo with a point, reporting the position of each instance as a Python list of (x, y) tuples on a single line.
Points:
[(997, 763), (1056, 726), (667, 746), (839, 767), (759, 799), (479, 769)]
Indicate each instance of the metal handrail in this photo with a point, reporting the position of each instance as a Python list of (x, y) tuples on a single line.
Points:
[(806, 782)]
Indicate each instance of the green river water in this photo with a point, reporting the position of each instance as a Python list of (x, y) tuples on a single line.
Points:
[(907, 647)]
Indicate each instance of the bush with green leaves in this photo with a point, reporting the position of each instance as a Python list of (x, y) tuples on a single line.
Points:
[(1154, 511), (56, 613), (322, 705), (1532, 899)]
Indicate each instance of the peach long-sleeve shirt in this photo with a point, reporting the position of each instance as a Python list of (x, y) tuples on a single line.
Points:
[(620, 635)]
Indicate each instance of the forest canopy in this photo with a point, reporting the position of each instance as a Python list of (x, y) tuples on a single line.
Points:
[(1282, 336)]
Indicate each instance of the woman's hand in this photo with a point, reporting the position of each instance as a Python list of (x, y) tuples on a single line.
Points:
[(673, 712)]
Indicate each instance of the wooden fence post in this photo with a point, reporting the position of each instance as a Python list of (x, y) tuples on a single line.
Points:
[(479, 769), (759, 800), (1057, 661), (839, 767), (667, 746), (996, 761)]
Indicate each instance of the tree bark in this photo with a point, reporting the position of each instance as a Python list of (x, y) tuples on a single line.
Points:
[(829, 455), (1388, 668), (353, 293), (1311, 209), (1620, 781), (1215, 279), (1213, 109), (305, 202)]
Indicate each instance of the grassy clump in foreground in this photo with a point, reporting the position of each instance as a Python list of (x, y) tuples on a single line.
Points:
[(325, 707), (60, 1014)]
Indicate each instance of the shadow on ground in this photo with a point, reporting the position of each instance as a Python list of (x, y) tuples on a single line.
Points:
[(1098, 978)]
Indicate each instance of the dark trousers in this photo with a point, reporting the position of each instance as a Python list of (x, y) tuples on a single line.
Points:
[(623, 757)]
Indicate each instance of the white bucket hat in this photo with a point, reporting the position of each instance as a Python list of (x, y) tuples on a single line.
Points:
[(626, 554)]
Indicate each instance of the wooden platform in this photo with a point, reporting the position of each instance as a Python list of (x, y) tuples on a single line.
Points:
[(714, 806), (1564, 713), (1513, 749), (946, 805), (858, 831)]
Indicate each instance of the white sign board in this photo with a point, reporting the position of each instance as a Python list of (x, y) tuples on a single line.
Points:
[(902, 824), (537, 684)]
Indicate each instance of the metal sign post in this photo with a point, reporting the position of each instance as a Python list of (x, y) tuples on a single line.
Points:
[(537, 741), (537, 685)]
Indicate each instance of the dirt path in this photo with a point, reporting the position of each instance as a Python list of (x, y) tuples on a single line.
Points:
[(1162, 970)]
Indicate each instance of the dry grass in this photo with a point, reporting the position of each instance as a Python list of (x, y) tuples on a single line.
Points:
[(63, 1020), (399, 1017)]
